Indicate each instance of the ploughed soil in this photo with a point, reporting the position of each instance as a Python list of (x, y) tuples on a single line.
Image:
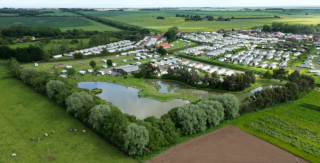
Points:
[(226, 145)]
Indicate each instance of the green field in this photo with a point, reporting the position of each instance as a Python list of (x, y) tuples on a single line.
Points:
[(147, 19), (4, 69), (58, 13), (25, 114), (64, 23)]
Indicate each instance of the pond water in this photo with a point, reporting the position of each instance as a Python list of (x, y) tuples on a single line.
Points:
[(128, 101), (168, 86)]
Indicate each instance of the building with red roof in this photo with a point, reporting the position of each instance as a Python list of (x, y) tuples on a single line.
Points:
[(164, 45), (158, 36)]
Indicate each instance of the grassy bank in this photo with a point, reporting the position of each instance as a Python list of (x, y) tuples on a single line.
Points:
[(25, 114)]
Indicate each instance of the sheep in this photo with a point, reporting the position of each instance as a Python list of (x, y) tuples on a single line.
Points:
[(53, 132), (70, 129), (32, 138), (84, 131), (14, 155), (75, 130), (45, 134), (38, 139)]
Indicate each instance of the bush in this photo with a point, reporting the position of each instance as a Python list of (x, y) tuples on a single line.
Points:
[(137, 75)]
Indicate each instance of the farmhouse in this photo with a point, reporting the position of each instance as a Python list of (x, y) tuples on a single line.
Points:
[(59, 66), (164, 45), (25, 38)]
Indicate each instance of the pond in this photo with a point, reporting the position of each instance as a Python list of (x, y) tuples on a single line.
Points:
[(168, 86), (128, 101)]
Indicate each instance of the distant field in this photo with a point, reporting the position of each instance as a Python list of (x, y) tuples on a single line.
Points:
[(25, 114), (64, 23), (3, 14), (59, 13), (148, 19)]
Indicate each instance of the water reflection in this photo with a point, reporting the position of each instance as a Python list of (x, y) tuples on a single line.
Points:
[(167, 86), (127, 100)]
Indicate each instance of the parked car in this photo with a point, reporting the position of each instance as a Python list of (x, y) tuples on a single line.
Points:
[(117, 75), (109, 72)]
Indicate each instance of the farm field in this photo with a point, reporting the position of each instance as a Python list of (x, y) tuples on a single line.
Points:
[(64, 23), (292, 127), (217, 143), (225, 145), (58, 13), (25, 114), (148, 19)]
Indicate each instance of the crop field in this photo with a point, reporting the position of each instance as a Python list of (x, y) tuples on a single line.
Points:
[(225, 145), (64, 23), (148, 19), (25, 114), (292, 127)]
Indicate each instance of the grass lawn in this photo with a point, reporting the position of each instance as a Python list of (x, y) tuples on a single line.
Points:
[(180, 44), (25, 114), (4, 69), (64, 23)]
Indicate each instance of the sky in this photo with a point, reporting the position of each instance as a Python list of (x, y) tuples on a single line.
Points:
[(156, 3)]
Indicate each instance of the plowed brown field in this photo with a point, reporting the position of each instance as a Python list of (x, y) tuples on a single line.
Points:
[(226, 145)]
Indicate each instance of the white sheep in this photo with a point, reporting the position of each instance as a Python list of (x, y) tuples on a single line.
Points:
[(45, 134), (84, 131)]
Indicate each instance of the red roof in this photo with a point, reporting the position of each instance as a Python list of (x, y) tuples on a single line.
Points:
[(158, 36), (164, 45)]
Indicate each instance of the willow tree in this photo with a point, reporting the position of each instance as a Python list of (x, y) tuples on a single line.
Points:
[(135, 139), (230, 104), (27, 73), (192, 119), (214, 111), (97, 116), (79, 103)]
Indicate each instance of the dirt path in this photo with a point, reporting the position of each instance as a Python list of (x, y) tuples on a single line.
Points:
[(226, 145)]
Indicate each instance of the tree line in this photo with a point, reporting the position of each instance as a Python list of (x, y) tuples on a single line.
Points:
[(23, 12), (297, 86), (290, 28), (234, 82), (134, 136), (195, 18), (27, 54), (42, 32), (237, 82)]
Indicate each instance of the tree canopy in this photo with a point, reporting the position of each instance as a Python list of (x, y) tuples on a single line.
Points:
[(136, 139)]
